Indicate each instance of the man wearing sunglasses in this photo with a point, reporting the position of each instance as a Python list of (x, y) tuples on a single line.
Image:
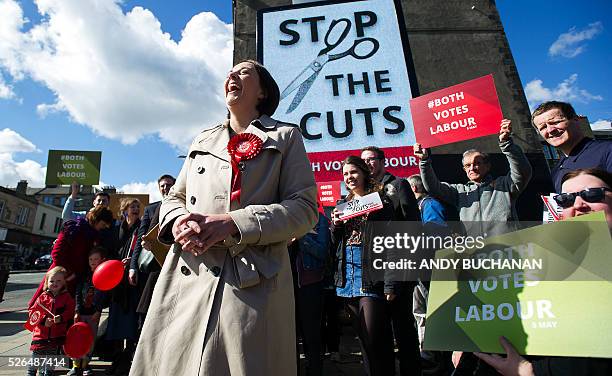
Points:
[(559, 126), (584, 191)]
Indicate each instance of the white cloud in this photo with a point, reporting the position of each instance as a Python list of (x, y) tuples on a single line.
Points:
[(601, 125), (13, 142), (566, 91), (570, 44), (149, 188), (11, 171), (119, 73)]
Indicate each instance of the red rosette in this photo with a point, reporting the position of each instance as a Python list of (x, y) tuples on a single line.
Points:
[(244, 146), (241, 147)]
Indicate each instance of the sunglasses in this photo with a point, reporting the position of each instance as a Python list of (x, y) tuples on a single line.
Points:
[(565, 200)]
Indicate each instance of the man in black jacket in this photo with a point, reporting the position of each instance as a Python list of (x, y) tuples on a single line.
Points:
[(398, 190), (406, 209)]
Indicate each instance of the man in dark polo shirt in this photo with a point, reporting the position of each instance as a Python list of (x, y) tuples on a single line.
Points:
[(558, 124)]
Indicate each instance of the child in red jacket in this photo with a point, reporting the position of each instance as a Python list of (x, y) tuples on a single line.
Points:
[(49, 317), (89, 304)]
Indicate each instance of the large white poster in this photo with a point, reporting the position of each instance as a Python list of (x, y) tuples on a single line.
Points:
[(343, 76)]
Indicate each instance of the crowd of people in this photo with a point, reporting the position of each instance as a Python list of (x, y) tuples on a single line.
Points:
[(256, 263), (86, 240)]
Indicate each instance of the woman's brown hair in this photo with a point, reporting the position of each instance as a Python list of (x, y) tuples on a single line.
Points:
[(371, 185), (100, 213), (268, 105), (602, 175)]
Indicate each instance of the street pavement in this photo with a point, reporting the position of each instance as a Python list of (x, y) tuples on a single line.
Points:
[(15, 340)]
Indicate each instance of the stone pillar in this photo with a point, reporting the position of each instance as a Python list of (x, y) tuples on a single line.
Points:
[(450, 42)]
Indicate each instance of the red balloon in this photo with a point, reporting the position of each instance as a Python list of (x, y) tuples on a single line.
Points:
[(78, 340), (108, 275)]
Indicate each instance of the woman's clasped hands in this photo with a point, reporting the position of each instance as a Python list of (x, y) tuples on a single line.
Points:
[(198, 232)]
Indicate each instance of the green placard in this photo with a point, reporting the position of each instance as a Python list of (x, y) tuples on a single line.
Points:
[(66, 166), (559, 308)]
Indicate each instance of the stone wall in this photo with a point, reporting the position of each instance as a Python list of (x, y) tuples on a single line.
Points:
[(451, 41)]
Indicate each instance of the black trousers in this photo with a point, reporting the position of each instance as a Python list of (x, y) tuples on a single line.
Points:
[(404, 331), (330, 327), (370, 319), (308, 311)]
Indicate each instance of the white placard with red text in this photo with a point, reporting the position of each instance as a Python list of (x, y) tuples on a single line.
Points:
[(360, 206), (552, 211)]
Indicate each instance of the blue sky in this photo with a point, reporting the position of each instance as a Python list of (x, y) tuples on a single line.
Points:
[(137, 79)]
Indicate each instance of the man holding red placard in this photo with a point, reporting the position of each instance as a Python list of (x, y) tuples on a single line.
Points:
[(483, 198)]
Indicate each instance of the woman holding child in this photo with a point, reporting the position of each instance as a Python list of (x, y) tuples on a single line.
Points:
[(72, 246)]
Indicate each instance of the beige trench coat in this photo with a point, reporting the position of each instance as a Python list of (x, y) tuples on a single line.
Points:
[(230, 311)]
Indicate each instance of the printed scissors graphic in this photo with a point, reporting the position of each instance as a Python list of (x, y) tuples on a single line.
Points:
[(304, 80)]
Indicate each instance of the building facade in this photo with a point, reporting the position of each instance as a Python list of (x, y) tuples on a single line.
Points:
[(17, 216)]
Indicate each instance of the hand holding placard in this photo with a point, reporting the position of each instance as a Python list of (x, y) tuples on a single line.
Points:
[(505, 130), (336, 217), (359, 206), (512, 364), (420, 152)]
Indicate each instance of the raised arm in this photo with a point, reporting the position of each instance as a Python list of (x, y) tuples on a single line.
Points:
[(520, 168), (442, 191)]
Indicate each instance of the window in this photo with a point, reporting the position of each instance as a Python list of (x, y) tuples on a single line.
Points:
[(48, 200), (2, 203), (63, 201), (58, 225), (42, 221), (22, 216)]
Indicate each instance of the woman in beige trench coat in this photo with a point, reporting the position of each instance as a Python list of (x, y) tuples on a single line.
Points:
[(223, 304)]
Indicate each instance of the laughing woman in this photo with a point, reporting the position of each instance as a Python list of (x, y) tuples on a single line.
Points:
[(223, 304), (364, 300)]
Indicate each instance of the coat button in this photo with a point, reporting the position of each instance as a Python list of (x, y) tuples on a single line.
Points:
[(185, 270), (241, 166), (192, 200), (201, 169), (215, 270)]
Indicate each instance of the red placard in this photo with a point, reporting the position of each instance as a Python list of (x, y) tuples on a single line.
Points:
[(460, 112), (327, 166), (329, 192)]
